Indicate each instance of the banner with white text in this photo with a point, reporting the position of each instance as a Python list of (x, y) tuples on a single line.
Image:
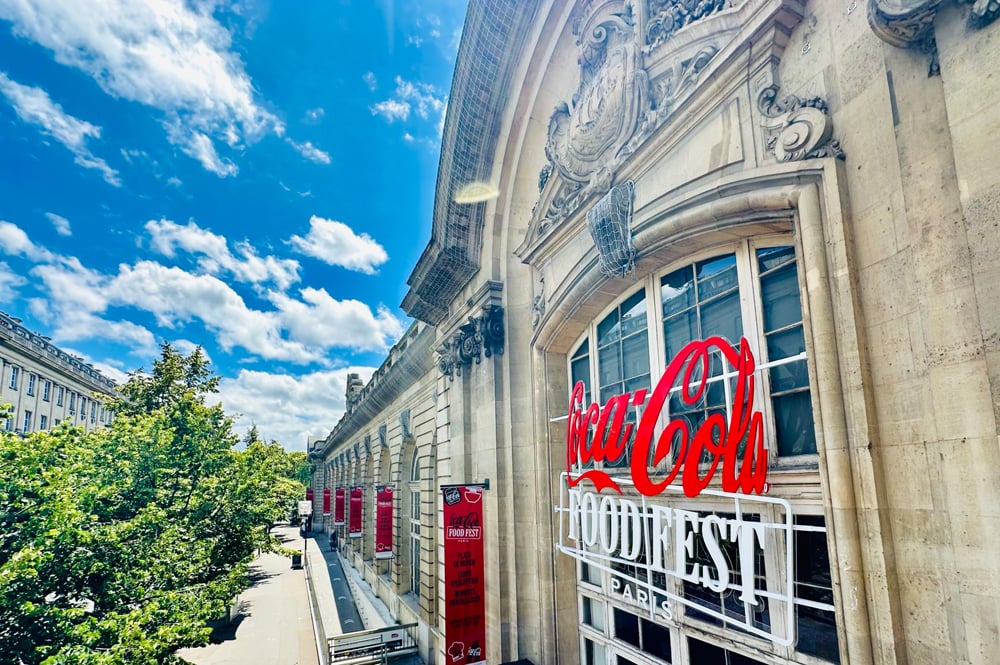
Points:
[(465, 600), (355, 528), (383, 521)]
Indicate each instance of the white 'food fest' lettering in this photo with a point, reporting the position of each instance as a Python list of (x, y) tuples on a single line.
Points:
[(618, 526)]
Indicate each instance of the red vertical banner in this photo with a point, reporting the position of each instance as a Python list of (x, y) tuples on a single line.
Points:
[(355, 528), (338, 508), (309, 494), (326, 501), (465, 599), (383, 522)]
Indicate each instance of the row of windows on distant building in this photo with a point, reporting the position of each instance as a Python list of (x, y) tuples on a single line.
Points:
[(80, 407)]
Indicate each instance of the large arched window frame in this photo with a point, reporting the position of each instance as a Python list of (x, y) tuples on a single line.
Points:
[(748, 289)]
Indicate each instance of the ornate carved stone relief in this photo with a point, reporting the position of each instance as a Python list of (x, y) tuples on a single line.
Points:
[(669, 16), (480, 335), (909, 23), (383, 436), (616, 106), (797, 128)]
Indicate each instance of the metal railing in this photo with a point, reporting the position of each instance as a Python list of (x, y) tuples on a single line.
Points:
[(378, 645)]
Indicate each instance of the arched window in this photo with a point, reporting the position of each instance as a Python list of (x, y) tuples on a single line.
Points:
[(748, 291), (414, 522)]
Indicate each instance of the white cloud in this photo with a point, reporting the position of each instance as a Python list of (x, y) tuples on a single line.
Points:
[(288, 409), (310, 152), (15, 241), (170, 55), (60, 223), (392, 110), (313, 116), (423, 96), (422, 99), (320, 320), (77, 300), (336, 244), (166, 237), (9, 282), (34, 106), (370, 80)]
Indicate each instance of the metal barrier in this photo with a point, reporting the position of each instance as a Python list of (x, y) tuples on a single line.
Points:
[(378, 645)]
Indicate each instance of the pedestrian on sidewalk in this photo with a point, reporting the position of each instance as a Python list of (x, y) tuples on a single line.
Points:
[(333, 540)]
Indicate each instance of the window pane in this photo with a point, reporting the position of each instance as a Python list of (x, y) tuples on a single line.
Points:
[(608, 330), (679, 330), (793, 420), (583, 349), (594, 653), (609, 367), (772, 257), (634, 313), (635, 352), (581, 372), (780, 293), (716, 276), (722, 317), (593, 613), (790, 375), (817, 628), (677, 291), (656, 640), (627, 627)]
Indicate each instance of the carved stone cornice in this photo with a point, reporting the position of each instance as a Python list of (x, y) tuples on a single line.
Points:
[(797, 128), (909, 23), (480, 335)]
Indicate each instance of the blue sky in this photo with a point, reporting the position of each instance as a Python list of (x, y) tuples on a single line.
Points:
[(253, 176)]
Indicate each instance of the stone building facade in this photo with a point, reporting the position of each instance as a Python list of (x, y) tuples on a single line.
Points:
[(44, 385), (803, 195)]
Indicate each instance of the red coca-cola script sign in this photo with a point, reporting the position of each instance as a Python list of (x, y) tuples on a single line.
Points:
[(717, 438)]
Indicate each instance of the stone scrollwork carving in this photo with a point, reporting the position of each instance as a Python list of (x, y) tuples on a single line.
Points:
[(491, 332), (480, 335), (797, 128), (383, 436), (538, 304), (909, 23), (669, 16)]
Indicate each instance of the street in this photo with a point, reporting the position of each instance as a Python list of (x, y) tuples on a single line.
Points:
[(274, 626)]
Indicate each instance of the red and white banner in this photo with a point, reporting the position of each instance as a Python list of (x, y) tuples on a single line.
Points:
[(338, 508), (309, 494), (465, 599), (326, 501), (355, 528), (383, 522)]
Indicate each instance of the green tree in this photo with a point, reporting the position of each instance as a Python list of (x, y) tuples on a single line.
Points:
[(118, 545)]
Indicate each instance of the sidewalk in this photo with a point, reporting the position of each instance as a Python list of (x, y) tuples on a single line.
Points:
[(275, 626)]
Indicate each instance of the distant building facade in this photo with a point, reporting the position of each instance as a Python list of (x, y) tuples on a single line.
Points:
[(45, 386), (730, 237)]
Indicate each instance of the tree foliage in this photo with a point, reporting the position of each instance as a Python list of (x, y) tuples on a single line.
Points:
[(118, 545)]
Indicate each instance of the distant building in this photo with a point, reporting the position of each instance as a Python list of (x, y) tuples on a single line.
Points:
[(45, 385)]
